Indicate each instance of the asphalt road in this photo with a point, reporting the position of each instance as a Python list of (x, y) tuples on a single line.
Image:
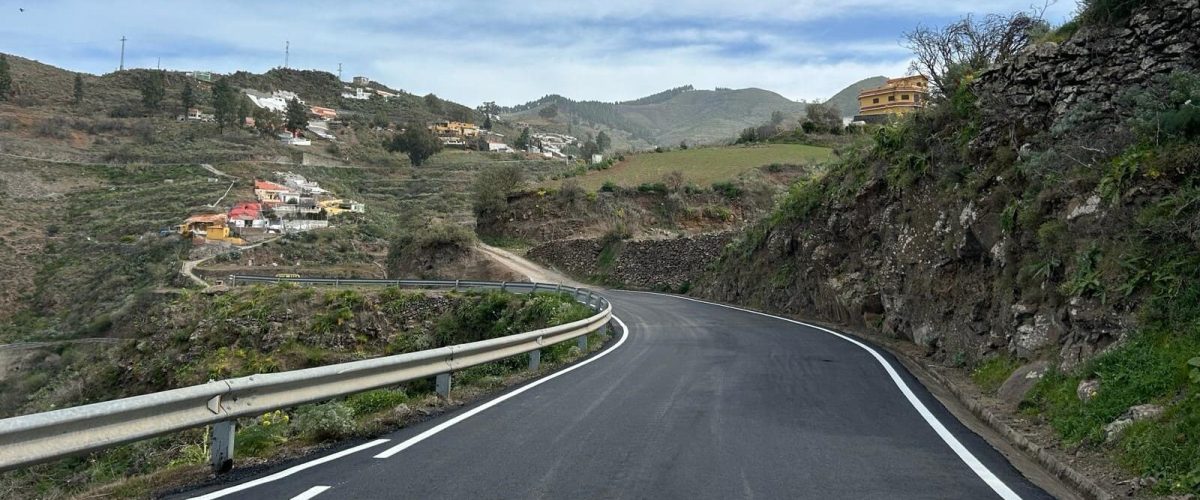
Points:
[(699, 401)]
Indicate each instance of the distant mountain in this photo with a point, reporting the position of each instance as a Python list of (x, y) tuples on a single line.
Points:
[(846, 101), (668, 117)]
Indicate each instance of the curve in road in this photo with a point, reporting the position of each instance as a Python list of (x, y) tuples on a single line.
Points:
[(701, 401)]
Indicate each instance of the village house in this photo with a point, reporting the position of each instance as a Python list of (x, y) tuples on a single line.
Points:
[(453, 128), (362, 81), (357, 93), (323, 113), (208, 227), (896, 97)]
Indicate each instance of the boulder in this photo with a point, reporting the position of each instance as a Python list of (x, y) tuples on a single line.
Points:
[(1116, 429), (1087, 389), (1022, 380)]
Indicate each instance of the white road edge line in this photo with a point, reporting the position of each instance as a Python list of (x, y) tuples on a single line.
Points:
[(981, 470), (287, 472), (311, 492), (474, 411)]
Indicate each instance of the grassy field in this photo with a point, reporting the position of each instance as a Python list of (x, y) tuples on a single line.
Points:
[(702, 166)]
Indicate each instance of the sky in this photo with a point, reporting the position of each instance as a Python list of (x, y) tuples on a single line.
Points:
[(506, 51)]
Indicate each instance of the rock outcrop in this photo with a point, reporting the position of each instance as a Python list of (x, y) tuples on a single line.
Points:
[(664, 264)]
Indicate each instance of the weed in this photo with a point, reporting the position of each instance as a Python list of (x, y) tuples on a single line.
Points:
[(990, 374), (325, 421), (366, 403)]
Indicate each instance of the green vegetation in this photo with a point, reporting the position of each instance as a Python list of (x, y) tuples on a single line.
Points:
[(6, 82), (702, 166), (990, 374), (229, 339), (417, 142)]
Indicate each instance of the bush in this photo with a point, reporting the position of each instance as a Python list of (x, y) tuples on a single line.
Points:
[(1109, 12), (727, 189), (608, 187), (990, 374), (55, 128), (652, 187), (366, 403), (325, 421)]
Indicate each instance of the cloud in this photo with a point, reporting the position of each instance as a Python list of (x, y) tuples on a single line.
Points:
[(504, 50)]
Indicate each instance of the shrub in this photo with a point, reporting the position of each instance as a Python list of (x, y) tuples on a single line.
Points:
[(652, 187), (325, 421), (727, 189), (261, 437), (54, 127), (608, 187), (366, 403)]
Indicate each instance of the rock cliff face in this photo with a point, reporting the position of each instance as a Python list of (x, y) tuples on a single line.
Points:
[(1092, 68), (938, 261), (671, 264)]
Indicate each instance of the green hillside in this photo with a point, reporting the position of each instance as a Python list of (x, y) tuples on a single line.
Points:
[(847, 100), (674, 115)]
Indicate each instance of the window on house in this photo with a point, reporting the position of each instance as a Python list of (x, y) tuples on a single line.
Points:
[(891, 98), (903, 97), (875, 101)]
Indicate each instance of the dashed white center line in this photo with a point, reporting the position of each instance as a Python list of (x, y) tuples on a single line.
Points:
[(287, 472), (311, 492)]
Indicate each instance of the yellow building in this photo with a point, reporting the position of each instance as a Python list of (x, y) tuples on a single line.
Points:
[(212, 227), (896, 97), (450, 128)]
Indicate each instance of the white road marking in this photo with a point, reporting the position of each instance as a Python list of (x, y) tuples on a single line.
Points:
[(287, 472), (963, 453), (311, 492), (449, 423)]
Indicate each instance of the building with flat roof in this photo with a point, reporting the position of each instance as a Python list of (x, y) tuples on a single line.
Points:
[(896, 97)]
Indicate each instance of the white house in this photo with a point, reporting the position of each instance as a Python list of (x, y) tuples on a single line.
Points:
[(359, 94), (499, 146)]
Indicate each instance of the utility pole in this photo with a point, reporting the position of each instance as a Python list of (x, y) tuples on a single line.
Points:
[(287, 49), (122, 67), (339, 72)]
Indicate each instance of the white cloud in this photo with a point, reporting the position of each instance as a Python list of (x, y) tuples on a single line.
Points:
[(506, 50)]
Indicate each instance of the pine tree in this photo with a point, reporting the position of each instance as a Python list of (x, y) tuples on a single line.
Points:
[(5, 79), (487, 123), (188, 96), (153, 90), (225, 104), (78, 99), (603, 141), (523, 140), (297, 116)]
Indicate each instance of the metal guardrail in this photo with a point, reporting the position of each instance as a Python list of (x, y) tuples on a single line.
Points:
[(41, 437)]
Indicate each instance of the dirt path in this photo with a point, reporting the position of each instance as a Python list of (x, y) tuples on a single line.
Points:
[(190, 265), (524, 267)]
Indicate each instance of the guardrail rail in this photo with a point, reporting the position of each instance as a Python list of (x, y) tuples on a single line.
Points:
[(40, 437)]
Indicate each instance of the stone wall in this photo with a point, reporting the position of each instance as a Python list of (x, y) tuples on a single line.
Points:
[(667, 264), (1047, 80)]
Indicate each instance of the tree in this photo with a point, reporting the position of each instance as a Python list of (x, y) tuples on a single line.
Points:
[(297, 116), (153, 89), (683, 145), (487, 123), (225, 104), (945, 56), (433, 104), (549, 112), (523, 140), (823, 116), (187, 97), (489, 109), (492, 186), (776, 118), (589, 148), (265, 119), (6, 82), (78, 97), (748, 136), (417, 142), (603, 141)]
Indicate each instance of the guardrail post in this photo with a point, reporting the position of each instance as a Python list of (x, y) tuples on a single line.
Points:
[(582, 343), (531, 292), (443, 385), (535, 359), (222, 445), (337, 282), (456, 285), (503, 286)]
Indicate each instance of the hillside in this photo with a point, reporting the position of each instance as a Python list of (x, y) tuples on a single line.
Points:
[(1037, 230), (666, 118), (846, 100)]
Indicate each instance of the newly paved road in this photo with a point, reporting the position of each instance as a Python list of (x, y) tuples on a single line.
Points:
[(700, 401)]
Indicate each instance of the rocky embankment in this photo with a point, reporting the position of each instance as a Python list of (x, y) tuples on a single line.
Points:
[(664, 264)]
